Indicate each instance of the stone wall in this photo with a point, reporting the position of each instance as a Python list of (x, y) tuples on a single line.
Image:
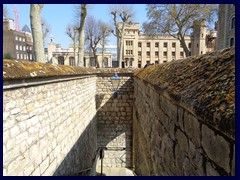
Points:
[(114, 122), (49, 124), (184, 117)]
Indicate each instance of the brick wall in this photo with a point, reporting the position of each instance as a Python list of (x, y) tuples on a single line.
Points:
[(49, 128), (114, 122)]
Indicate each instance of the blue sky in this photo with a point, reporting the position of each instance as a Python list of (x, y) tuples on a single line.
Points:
[(59, 15)]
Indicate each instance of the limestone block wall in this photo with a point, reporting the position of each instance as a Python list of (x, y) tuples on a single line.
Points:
[(184, 117), (114, 122), (49, 124)]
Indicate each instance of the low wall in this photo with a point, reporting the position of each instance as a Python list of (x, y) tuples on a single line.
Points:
[(56, 119), (115, 120), (49, 120), (184, 117)]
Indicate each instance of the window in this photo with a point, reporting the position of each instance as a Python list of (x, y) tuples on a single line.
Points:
[(148, 44), (148, 53), (20, 47), (156, 62), (156, 53), (165, 44), (232, 42), (139, 64), (21, 56), (61, 60), (148, 62), (71, 61), (17, 56), (139, 53), (174, 45), (189, 45), (16, 38), (24, 48), (129, 43), (181, 45), (139, 44), (23, 39), (201, 52), (181, 54), (156, 44), (105, 62), (130, 62), (202, 35), (129, 52), (173, 54), (16, 47), (233, 23), (164, 61), (165, 53), (197, 45)]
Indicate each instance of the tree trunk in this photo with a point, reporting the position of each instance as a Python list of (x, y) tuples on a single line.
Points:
[(120, 51), (36, 26), (82, 35), (103, 46), (95, 57), (74, 53), (185, 48)]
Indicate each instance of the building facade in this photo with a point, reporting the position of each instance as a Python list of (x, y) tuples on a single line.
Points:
[(141, 49), (57, 55), (18, 45), (226, 26)]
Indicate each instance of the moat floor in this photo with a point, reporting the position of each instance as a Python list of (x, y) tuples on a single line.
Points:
[(115, 172)]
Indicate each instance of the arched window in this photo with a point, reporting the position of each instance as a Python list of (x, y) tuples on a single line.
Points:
[(233, 23), (232, 42), (61, 60), (71, 61)]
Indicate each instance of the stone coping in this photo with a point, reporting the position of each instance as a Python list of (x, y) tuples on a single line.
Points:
[(205, 84), (13, 70)]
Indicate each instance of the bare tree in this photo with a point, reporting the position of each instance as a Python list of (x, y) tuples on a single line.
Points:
[(45, 29), (36, 26), (5, 12), (122, 15), (93, 36), (177, 19), (72, 32), (105, 32)]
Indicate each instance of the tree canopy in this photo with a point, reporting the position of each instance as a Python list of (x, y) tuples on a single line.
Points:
[(177, 20)]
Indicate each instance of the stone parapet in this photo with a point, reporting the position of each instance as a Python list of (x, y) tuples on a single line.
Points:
[(184, 117)]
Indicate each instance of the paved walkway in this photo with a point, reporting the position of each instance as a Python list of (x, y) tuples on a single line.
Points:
[(115, 172)]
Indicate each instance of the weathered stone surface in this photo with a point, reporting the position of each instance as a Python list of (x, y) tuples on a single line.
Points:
[(192, 128), (182, 141), (198, 85), (216, 147), (210, 170), (38, 127)]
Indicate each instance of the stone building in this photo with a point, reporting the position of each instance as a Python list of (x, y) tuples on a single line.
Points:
[(226, 26), (140, 49), (17, 44), (57, 55)]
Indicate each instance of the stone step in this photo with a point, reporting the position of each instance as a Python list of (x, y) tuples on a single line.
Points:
[(109, 171)]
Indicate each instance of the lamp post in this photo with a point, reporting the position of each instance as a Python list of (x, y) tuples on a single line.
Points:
[(115, 80)]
